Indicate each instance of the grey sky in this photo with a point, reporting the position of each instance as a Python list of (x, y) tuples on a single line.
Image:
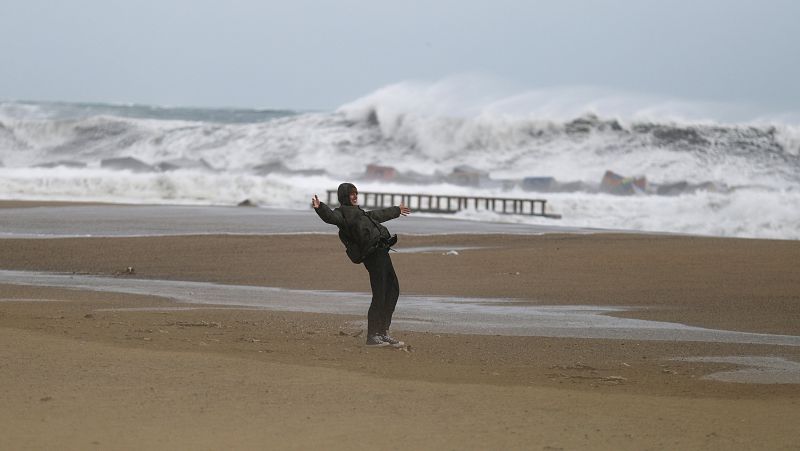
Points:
[(320, 54)]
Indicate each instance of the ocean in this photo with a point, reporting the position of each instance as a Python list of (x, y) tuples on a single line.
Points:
[(696, 176)]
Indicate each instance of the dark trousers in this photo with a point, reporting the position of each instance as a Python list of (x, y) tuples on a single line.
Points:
[(385, 291)]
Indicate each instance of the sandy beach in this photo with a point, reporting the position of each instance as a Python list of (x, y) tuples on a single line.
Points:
[(86, 369)]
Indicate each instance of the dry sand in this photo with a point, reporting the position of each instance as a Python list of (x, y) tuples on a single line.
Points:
[(77, 374)]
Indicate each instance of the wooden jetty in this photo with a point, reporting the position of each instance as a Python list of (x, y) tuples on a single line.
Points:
[(435, 203)]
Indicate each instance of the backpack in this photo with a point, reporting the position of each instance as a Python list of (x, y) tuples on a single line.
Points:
[(350, 245), (352, 248)]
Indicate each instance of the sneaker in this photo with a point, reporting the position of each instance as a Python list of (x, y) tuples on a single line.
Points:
[(392, 341), (377, 341)]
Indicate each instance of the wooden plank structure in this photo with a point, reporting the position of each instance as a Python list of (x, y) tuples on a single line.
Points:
[(435, 203)]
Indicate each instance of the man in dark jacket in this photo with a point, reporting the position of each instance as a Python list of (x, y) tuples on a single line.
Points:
[(367, 241)]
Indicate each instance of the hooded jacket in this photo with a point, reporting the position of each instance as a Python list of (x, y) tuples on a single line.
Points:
[(360, 231)]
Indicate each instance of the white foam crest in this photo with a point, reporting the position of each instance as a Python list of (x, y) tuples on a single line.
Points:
[(17, 110), (419, 128), (299, 142), (750, 212), (565, 103), (177, 187), (471, 96), (789, 137), (425, 127)]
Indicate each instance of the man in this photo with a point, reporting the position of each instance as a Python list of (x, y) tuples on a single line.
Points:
[(367, 241)]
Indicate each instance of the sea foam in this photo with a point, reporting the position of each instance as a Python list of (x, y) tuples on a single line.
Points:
[(281, 158)]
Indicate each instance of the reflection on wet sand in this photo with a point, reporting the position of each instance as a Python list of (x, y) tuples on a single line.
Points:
[(483, 316)]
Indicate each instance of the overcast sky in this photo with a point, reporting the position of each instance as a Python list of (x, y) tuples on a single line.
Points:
[(305, 54)]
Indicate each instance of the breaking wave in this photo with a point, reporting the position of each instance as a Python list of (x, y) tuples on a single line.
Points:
[(703, 176)]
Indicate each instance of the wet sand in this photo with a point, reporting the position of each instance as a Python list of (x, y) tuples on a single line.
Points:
[(38, 203), (79, 372), (65, 220)]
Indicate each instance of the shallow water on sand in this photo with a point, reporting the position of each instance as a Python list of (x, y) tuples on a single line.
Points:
[(483, 316), (753, 369), (153, 220)]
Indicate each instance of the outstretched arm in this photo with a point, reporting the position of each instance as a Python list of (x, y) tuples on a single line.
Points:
[(385, 214), (325, 213)]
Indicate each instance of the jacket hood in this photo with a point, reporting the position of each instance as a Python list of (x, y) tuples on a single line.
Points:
[(344, 193)]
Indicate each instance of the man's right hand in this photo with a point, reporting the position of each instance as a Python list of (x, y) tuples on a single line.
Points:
[(315, 202)]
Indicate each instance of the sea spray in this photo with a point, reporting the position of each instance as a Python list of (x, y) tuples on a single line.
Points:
[(280, 158)]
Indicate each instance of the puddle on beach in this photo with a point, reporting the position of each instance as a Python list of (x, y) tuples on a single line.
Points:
[(418, 313), (168, 309), (753, 369), (436, 249), (31, 300)]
